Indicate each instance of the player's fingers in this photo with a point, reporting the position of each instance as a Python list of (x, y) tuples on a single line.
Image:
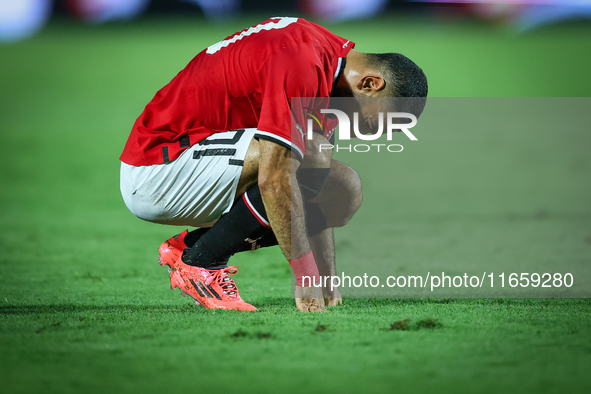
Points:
[(316, 305), (316, 308), (310, 305), (301, 305), (333, 301)]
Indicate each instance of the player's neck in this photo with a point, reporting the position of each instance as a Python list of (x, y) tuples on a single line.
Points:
[(360, 77), (354, 66), (355, 69), (343, 85)]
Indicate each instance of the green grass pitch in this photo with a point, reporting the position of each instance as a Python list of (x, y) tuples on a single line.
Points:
[(85, 308)]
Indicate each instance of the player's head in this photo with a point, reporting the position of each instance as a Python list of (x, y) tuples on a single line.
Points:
[(402, 76), (405, 86), (395, 78)]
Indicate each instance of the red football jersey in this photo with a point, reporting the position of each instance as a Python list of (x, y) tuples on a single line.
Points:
[(244, 81)]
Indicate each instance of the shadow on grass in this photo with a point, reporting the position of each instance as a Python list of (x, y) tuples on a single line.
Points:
[(72, 308), (466, 301), (273, 304)]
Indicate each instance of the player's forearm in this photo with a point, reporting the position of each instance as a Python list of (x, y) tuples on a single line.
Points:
[(276, 198), (283, 202), (285, 211)]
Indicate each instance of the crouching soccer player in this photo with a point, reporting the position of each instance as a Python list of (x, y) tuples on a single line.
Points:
[(214, 150)]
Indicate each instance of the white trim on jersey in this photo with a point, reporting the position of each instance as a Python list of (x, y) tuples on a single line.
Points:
[(283, 141), (224, 136), (338, 71)]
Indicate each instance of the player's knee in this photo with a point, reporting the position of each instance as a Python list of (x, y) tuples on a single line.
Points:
[(350, 200), (354, 195), (343, 219)]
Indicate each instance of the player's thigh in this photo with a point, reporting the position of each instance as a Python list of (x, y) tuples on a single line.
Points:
[(193, 190)]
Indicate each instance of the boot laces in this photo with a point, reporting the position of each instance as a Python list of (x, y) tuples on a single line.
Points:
[(222, 278)]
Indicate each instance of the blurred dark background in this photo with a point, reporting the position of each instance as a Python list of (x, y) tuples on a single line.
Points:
[(24, 18)]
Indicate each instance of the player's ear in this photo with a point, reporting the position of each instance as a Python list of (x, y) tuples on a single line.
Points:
[(370, 83)]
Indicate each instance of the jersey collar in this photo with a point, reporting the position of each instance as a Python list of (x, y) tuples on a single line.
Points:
[(339, 70)]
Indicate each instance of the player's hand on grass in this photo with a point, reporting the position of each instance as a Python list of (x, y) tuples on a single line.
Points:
[(332, 297), (309, 299)]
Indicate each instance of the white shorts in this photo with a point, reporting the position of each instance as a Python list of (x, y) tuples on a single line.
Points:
[(194, 190)]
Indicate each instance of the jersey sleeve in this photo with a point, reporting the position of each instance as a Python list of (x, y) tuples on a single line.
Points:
[(289, 73)]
